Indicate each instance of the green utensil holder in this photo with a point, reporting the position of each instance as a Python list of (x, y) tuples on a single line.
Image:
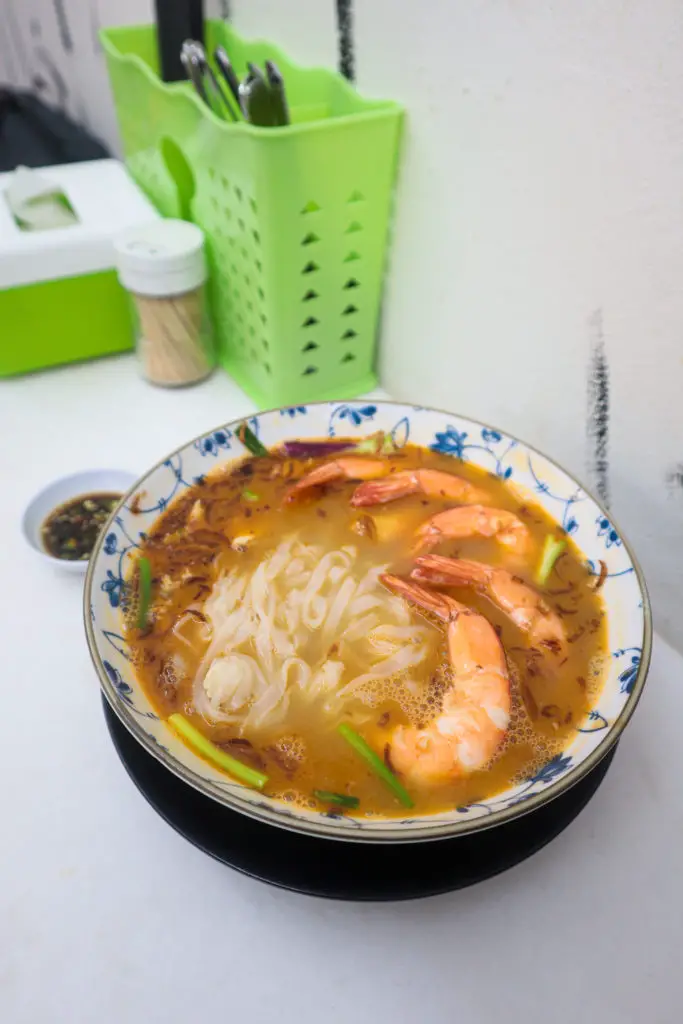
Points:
[(296, 218)]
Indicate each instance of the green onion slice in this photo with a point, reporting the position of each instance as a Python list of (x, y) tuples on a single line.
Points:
[(250, 440), (375, 762), (144, 590), (552, 549), (341, 799), (213, 753)]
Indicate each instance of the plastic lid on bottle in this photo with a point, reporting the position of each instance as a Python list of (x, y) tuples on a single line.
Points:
[(164, 257)]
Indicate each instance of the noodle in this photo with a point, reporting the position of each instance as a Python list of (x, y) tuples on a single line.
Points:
[(271, 634)]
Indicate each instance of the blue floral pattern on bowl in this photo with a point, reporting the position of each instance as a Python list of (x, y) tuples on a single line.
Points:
[(460, 444), (531, 473)]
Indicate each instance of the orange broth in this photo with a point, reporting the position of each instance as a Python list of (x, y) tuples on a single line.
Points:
[(191, 546)]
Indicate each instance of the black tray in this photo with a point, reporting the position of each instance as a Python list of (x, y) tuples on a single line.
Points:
[(343, 870)]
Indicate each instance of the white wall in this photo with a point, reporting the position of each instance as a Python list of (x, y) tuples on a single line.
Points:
[(540, 217)]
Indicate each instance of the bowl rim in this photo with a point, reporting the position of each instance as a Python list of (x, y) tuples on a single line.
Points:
[(336, 830)]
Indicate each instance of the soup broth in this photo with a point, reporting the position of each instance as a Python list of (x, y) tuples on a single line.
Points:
[(234, 540)]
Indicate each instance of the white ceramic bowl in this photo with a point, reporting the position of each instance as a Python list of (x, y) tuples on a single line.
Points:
[(532, 474), (89, 481)]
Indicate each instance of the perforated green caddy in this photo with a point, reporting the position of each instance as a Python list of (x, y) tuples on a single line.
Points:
[(296, 218)]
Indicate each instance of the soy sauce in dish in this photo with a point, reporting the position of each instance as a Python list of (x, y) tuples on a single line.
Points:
[(71, 530)]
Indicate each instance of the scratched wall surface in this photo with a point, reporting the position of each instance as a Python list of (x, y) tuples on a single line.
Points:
[(536, 276)]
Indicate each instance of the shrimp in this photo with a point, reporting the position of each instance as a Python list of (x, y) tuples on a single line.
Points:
[(475, 716), (525, 606), (432, 483), (475, 521), (339, 469)]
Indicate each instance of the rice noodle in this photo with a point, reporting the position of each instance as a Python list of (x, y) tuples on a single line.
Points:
[(339, 604), (385, 638), (272, 634), (399, 661), (188, 623), (359, 627)]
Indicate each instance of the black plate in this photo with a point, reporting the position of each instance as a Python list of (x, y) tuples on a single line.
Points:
[(344, 870)]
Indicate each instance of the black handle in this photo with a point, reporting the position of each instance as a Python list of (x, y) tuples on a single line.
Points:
[(177, 20)]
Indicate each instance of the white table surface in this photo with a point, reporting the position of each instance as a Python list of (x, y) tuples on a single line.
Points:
[(106, 915)]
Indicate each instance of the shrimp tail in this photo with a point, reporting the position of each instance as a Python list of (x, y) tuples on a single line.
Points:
[(443, 607), (450, 572), (318, 477)]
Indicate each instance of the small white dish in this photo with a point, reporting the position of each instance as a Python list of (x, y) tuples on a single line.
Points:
[(90, 481)]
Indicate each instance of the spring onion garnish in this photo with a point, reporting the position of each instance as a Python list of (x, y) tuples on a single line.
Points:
[(249, 496), (213, 753), (375, 762), (340, 799), (144, 590), (552, 549), (250, 440), (376, 444)]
